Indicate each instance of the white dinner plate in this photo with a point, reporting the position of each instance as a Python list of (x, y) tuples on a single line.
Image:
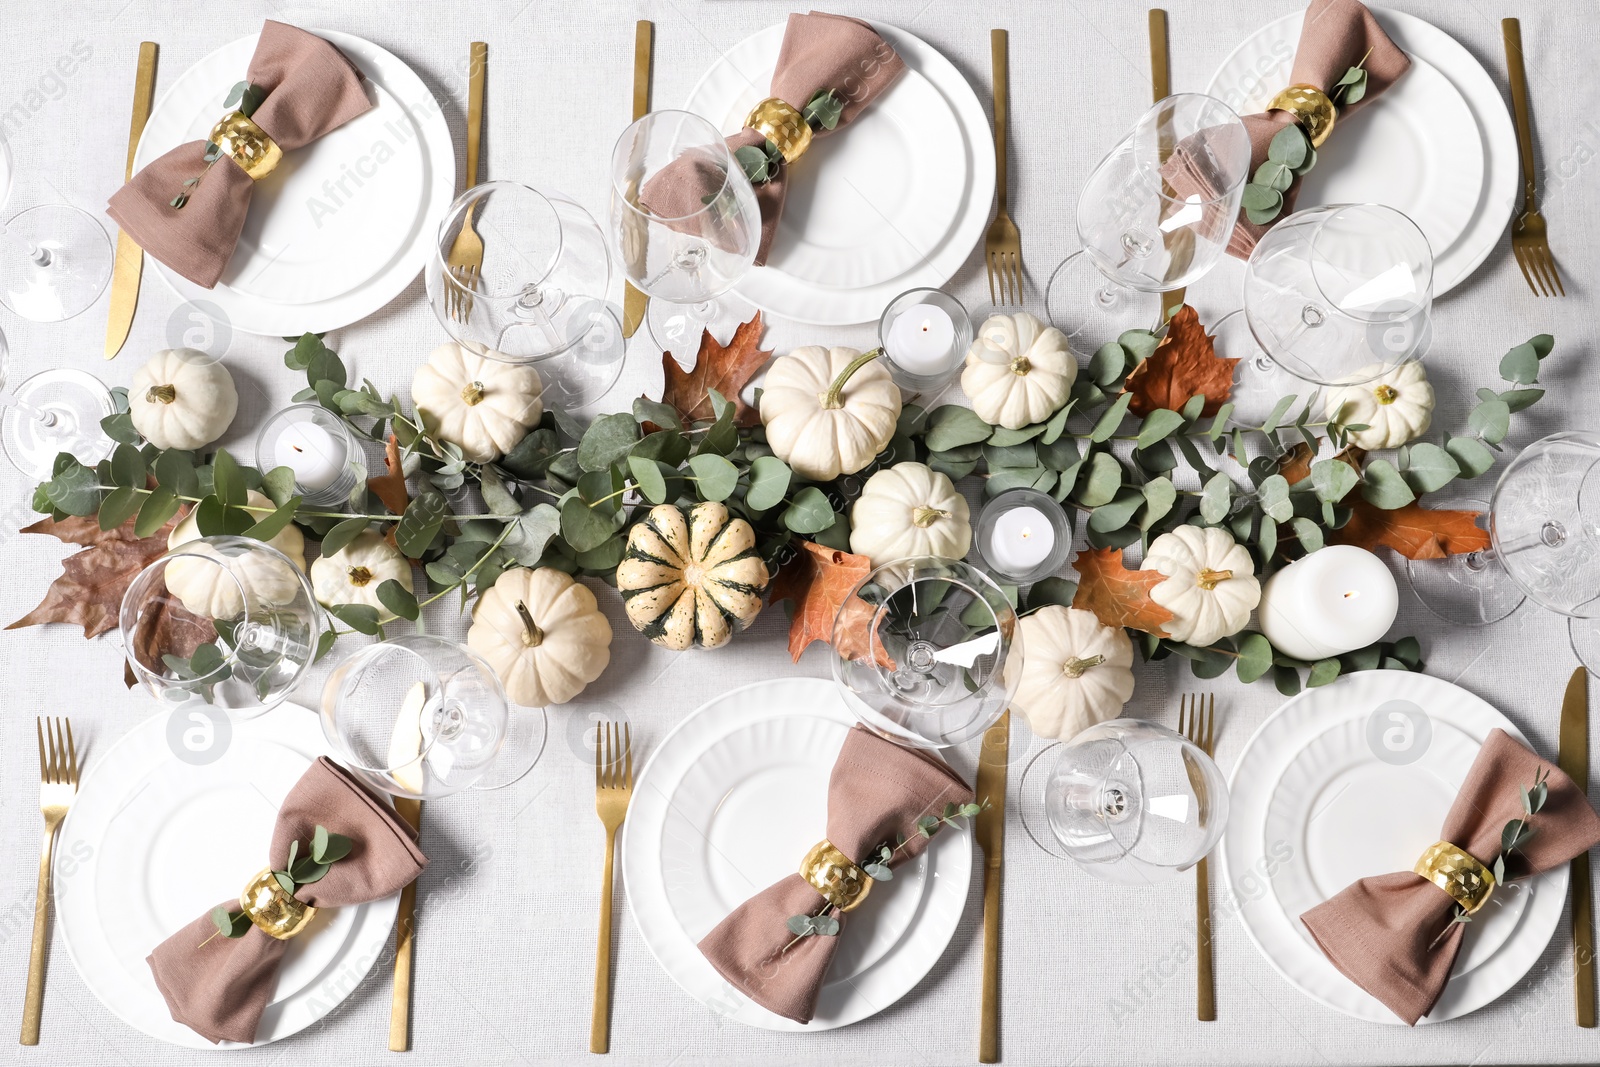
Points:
[(894, 202), (1301, 812), (152, 841), (1438, 145), (344, 224), (727, 805)]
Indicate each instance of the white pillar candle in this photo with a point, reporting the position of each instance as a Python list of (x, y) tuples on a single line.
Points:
[(922, 340), (1022, 539), (316, 456), (1335, 600)]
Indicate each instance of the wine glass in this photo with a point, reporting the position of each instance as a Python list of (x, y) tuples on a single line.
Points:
[(54, 411), (920, 650), (1341, 294), (686, 224), (539, 296), (226, 620), (55, 259), (1155, 215)]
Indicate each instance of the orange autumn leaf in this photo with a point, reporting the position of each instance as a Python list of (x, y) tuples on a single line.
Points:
[(725, 368), (89, 591), (1413, 531), (819, 580), (390, 486), (1183, 366), (1116, 595)]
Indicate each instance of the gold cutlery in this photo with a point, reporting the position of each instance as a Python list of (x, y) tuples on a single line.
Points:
[(1529, 242), (613, 788), (1197, 720), (58, 783), (405, 751), (1160, 89), (1002, 244), (130, 257), (466, 253), (990, 830), (635, 302), (1573, 758)]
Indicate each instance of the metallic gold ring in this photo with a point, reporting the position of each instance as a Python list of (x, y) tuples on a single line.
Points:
[(277, 913), (255, 152), (783, 125), (1468, 882), (1311, 108), (835, 876)]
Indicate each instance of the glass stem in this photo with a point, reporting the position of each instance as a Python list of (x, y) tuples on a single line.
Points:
[(42, 416), (40, 256)]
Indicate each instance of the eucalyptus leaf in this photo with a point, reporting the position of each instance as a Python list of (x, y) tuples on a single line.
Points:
[(647, 476), (398, 599), (1279, 410), (127, 467), (75, 490), (585, 527), (662, 415), (1384, 488), (342, 534), (1111, 419), (1430, 467), (1108, 365), (1105, 478), (1159, 496), (1322, 672), (716, 478), (119, 506), (1216, 498), (160, 506), (1289, 146), (1307, 532), (1332, 479), (1520, 365), (809, 512), (420, 524), (1273, 496), (1116, 514), (1490, 420), (1003, 478), (607, 441), (1141, 344), (532, 454), (769, 483), (951, 426), (1052, 590), (270, 526), (1255, 657), (1157, 426), (119, 427), (362, 618), (227, 480), (1472, 456)]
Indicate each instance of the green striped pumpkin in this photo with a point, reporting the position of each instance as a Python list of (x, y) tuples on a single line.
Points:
[(695, 578)]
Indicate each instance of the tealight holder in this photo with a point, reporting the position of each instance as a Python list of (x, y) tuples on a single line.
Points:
[(910, 332), (324, 454), (1023, 536)]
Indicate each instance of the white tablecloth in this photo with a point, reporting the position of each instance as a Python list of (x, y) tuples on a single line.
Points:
[(1092, 973)]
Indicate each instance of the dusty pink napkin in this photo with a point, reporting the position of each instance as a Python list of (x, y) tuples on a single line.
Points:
[(820, 51), (312, 89), (218, 987), (877, 791), (1378, 931)]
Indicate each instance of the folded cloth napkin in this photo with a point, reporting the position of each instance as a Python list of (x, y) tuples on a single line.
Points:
[(820, 51), (1381, 931), (219, 986), (312, 89), (877, 791)]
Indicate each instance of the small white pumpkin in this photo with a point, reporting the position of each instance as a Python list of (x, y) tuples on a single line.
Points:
[(543, 634), (828, 411), (1396, 407), (909, 509), (1211, 586), (352, 574), (210, 592), (182, 398), (1074, 672), (483, 405), (1019, 371), (695, 578)]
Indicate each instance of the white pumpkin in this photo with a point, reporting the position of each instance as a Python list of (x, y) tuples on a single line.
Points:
[(1211, 586), (543, 634), (688, 579), (1074, 672), (483, 405), (352, 574), (182, 398), (213, 592), (1396, 407), (909, 509), (1019, 371), (828, 411)]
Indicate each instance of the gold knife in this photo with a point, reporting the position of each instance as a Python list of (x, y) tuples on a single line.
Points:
[(406, 745), (1573, 759), (130, 257), (990, 829), (633, 301)]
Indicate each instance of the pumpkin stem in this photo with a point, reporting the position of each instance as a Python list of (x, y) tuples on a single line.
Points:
[(1209, 578), (1021, 365), (161, 394), (532, 636), (1074, 668), (1386, 394), (832, 399), (472, 394), (359, 576), (925, 515)]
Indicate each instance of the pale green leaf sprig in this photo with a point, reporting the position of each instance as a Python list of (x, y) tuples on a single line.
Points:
[(326, 850), (761, 163), (245, 97), (1516, 833), (1291, 155)]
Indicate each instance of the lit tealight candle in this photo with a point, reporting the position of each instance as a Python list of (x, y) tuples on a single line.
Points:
[(1022, 539), (922, 340), (1335, 600), (316, 456)]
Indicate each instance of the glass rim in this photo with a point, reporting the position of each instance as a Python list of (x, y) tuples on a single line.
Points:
[(717, 144), (439, 257), (1334, 211)]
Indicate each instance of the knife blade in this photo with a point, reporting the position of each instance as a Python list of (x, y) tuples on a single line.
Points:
[(405, 750), (633, 301), (990, 830), (1573, 758), (130, 257)]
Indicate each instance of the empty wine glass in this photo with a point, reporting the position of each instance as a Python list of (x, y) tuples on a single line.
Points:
[(54, 411), (1155, 215), (226, 620), (1341, 294), (686, 223), (920, 650), (55, 260)]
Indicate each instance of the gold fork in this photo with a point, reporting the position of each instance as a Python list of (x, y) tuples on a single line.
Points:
[(1529, 242), (58, 782), (1002, 244), (1197, 720), (613, 788), (466, 253)]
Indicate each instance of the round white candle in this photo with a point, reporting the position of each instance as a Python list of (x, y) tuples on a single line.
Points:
[(316, 456), (1022, 539), (922, 340), (1335, 600)]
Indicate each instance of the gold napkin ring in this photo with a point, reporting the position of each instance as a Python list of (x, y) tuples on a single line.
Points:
[(1311, 108), (277, 913), (238, 136), (1468, 882), (835, 876), (781, 123)]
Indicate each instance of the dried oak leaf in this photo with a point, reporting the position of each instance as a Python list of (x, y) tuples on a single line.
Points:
[(1183, 366), (1116, 595), (1413, 531), (390, 486), (727, 369), (93, 581), (819, 580)]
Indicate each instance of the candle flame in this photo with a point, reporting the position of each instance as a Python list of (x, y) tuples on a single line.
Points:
[(1027, 532), (1351, 594)]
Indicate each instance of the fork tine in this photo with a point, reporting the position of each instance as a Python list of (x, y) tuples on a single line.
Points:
[(1016, 277), (1554, 273), (52, 733), (988, 262), (627, 746), (44, 768), (1183, 714), (1211, 722), (1531, 254), (72, 756), (598, 730), (1547, 268), (1517, 254)]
